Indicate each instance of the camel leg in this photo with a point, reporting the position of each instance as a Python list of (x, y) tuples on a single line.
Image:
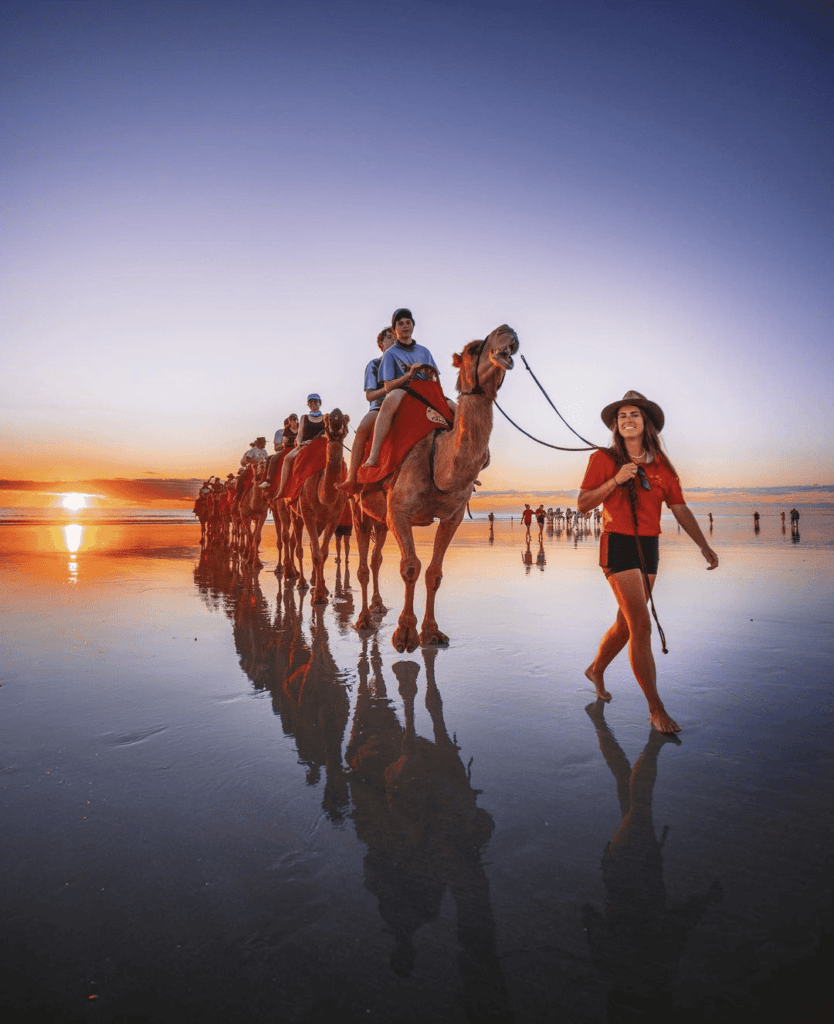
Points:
[(381, 534), (318, 553), (290, 571), (430, 634), (363, 524), (406, 637), (297, 529)]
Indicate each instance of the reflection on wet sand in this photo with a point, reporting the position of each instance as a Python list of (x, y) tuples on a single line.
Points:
[(410, 798), (415, 808), (637, 943)]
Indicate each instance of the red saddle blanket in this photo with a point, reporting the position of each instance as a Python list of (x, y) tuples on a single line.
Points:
[(412, 421), (309, 460)]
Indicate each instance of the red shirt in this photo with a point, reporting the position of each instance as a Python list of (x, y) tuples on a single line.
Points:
[(616, 510), (527, 516)]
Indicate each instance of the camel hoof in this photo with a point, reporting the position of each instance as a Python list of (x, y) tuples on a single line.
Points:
[(302, 584), (405, 639), (434, 637), (378, 607), (363, 622)]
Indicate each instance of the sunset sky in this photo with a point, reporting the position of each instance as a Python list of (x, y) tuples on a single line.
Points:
[(211, 208)]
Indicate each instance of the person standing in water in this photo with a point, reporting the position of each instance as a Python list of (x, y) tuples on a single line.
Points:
[(635, 461)]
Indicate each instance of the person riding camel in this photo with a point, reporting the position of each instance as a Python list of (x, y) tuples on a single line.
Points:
[(284, 439), (374, 393), (403, 362), (256, 453), (310, 426)]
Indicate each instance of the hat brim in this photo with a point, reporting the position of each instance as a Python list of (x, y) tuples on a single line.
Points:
[(652, 409)]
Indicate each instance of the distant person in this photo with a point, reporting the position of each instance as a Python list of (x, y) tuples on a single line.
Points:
[(527, 519), (540, 517), (782, 516), (310, 426), (756, 522), (631, 526), (375, 395), (491, 518)]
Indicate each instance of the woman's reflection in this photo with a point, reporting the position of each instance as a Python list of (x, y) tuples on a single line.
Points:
[(637, 943)]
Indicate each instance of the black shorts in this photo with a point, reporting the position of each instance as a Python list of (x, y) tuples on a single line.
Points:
[(344, 531), (618, 552)]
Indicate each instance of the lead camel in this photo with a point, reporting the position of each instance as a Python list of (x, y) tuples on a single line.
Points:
[(438, 486)]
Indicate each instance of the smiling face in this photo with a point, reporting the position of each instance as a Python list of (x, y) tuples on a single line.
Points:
[(630, 425), (403, 329)]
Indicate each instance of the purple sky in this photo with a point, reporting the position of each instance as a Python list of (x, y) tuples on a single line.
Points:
[(210, 209)]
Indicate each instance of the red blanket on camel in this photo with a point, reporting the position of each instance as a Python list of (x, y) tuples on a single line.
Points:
[(412, 421), (310, 459)]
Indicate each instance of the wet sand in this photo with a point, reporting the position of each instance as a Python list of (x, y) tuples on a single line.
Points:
[(222, 805)]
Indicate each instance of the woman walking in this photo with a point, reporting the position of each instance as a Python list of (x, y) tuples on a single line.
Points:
[(632, 479)]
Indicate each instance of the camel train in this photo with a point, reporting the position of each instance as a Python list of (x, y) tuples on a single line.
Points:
[(432, 480)]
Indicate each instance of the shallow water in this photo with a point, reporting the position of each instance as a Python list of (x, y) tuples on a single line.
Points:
[(221, 804)]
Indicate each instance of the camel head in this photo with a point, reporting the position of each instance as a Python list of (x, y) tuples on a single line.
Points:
[(336, 425), (482, 364)]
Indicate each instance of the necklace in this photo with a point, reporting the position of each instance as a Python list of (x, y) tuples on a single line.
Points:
[(642, 455)]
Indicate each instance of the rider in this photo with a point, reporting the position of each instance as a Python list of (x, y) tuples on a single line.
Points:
[(404, 361), (374, 393), (283, 439), (310, 426)]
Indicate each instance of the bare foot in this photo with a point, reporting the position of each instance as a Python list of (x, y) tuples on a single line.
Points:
[(599, 686), (662, 722), (371, 461)]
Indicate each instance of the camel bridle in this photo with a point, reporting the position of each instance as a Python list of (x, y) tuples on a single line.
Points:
[(477, 390)]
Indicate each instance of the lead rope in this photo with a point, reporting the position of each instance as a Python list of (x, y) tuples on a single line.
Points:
[(632, 500)]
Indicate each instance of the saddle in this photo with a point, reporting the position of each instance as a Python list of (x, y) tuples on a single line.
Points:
[(423, 410), (310, 459)]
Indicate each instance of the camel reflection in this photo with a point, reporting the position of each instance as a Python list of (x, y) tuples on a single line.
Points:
[(415, 808), (637, 943), (413, 805), (306, 686)]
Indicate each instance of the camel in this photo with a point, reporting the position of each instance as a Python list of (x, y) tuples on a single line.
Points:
[(251, 512), (320, 504), (284, 533), (436, 481)]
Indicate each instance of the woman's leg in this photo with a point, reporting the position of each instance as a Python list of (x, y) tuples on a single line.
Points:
[(383, 423), (632, 598), (363, 432)]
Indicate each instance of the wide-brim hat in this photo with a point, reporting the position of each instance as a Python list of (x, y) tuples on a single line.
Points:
[(259, 439), (652, 409)]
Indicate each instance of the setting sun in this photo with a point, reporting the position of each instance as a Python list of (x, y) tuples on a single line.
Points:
[(74, 501)]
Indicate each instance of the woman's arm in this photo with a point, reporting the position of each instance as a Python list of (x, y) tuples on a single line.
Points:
[(684, 516), (589, 499)]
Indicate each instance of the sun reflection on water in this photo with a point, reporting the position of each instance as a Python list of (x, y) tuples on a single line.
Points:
[(73, 536)]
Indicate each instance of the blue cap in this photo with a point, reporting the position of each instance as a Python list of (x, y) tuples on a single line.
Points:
[(313, 398)]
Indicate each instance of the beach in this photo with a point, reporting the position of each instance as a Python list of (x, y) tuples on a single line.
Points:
[(221, 804)]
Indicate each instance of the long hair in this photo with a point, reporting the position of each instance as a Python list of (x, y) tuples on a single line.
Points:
[(651, 442)]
